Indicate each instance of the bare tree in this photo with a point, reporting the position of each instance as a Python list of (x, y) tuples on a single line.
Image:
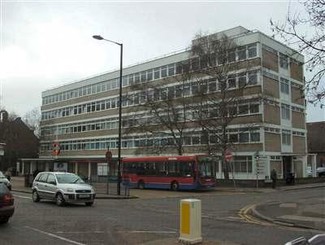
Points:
[(202, 100), (295, 31), (220, 97), (33, 119), (162, 116)]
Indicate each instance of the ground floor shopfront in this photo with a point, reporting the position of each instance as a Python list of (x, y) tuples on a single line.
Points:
[(241, 167)]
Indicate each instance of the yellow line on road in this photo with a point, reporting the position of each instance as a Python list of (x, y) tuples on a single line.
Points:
[(244, 215)]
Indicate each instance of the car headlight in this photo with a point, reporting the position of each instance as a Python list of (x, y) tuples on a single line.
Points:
[(70, 190)]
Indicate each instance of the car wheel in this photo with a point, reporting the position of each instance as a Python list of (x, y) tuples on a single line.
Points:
[(35, 196), (59, 200), (141, 185), (174, 186), (89, 204)]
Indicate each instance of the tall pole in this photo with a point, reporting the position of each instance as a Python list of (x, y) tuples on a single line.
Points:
[(120, 126), (119, 114)]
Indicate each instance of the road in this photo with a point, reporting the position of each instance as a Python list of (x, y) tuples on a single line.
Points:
[(155, 220)]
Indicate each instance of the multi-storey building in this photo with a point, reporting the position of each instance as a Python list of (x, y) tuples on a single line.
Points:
[(82, 117)]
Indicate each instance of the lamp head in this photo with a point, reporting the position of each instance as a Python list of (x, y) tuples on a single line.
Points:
[(98, 37)]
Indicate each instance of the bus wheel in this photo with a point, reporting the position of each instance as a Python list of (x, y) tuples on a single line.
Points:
[(141, 184), (174, 186)]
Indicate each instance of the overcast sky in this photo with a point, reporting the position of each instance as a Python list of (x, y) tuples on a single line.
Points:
[(45, 44)]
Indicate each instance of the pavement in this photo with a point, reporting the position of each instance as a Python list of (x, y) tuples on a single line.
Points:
[(306, 213)]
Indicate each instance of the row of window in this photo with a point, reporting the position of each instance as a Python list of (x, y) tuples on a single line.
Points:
[(241, 53), (248, 108), (163, 93), (283, 59), (137, 141), (285, 134)]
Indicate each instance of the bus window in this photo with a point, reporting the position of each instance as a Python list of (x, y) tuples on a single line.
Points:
[(172, 168), (206, 167), (161, 169), (186, 169)]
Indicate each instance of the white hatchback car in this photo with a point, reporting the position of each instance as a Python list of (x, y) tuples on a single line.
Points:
[(62, 188)]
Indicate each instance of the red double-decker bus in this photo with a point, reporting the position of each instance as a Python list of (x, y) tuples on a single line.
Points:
[(169, 172)]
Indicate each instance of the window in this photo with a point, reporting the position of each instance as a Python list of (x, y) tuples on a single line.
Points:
[(231, 56), (243, 164), (254, 108), (143, 76), (124, 83), (284, 86), (137, 78), (102, 169), (164, 71), (252, 78), (195, 64), (195, 88), (283, 61), (252, 51), (51, 179), (244, 137), (179, 91), (243, 109), (286, 137), (171, 70), (231, 81), (171, 92), (233, 138), (195, 140), (242, 80), (285, 112), (131, 80), (241, 53), (157, 73), (149, 75), (255, 137), (186, 89), (212, 85)]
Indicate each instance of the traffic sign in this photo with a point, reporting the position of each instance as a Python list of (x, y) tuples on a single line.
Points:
[(108, 156), (228, 155), (56, 149)]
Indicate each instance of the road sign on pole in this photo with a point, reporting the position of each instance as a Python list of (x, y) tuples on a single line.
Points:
[(228, 156)]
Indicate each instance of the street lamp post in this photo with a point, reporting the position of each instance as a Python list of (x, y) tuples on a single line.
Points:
[(119, 114)]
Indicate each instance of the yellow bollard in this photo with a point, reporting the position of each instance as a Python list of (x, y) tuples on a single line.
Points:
[(190, 221)]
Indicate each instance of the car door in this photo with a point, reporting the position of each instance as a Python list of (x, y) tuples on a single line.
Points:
[(51, 186), (40, 185)]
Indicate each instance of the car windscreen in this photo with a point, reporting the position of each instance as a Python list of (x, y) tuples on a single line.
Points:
[(69, 179)]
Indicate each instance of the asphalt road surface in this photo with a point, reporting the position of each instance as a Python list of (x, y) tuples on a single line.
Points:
[(151, 220)]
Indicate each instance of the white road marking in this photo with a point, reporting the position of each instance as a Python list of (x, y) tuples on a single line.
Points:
[(22, 197), (80, 232), (55, 236), (156, 232)]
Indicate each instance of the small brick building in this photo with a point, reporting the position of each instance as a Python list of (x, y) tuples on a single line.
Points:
[(18, 139), (316, 141)]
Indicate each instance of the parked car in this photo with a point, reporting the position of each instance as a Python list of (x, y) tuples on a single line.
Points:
[(3, 179), (7, 207), (62, 188), (320, 171), (309, 171)]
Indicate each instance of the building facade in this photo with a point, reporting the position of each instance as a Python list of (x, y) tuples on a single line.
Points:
[(17, 141), (82, 117), (316, 144)]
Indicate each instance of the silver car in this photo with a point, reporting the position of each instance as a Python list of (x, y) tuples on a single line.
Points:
[(62, 188), (4, 179)]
